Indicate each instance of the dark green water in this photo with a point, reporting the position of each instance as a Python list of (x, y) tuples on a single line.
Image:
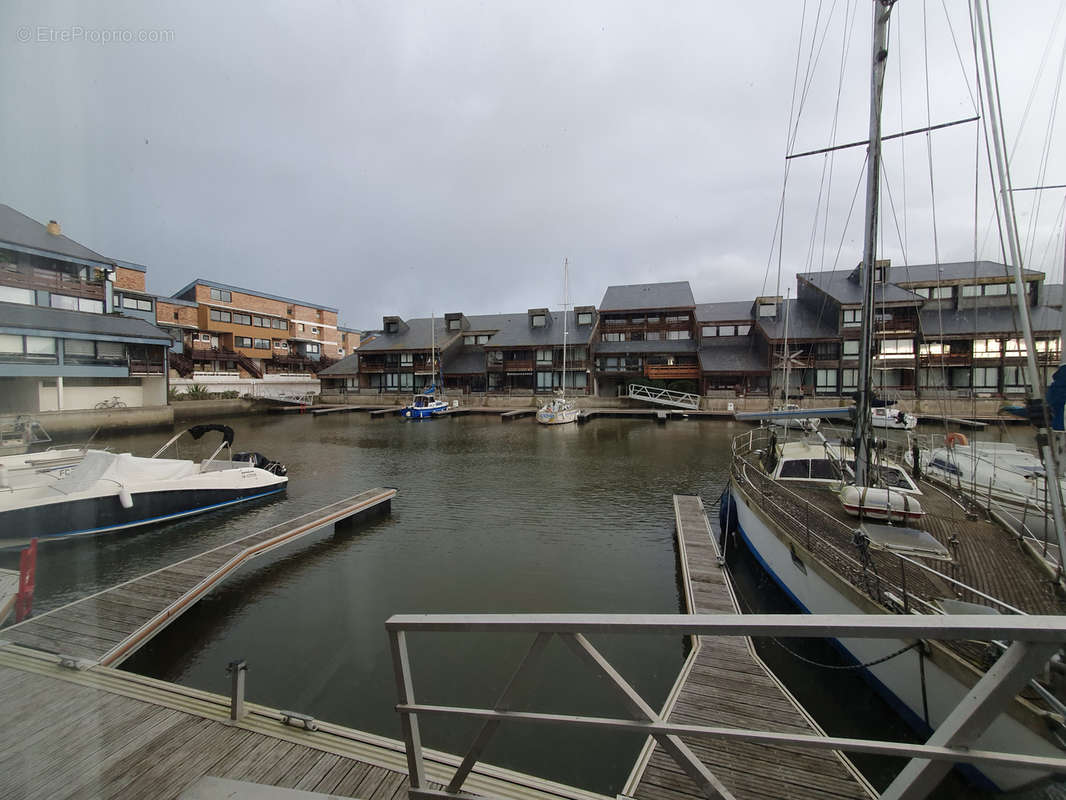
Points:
[(490, 517)]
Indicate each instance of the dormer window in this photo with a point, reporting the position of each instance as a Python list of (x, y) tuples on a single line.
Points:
[(454, 324), (767, 309), (392, 326), (538, 320), (584, 318)]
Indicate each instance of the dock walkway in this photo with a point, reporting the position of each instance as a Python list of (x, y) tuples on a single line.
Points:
[(725, 683), (109, 626)]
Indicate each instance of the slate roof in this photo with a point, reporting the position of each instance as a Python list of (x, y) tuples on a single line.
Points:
[(417, 336), (465, 362), (16, 315), (349, 365), (839, 285), (953, 271), (969, 322), (23, 232), (803, 323), (732, 358), (669, 346), (732, 311), (648, 295), (255, 292)]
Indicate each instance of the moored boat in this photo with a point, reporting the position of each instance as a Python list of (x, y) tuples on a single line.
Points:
[(107, 491)]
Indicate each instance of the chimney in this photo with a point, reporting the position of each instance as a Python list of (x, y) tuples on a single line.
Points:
[(53, 227)]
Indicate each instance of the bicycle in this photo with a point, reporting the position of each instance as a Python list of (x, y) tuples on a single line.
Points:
[(114, 402)]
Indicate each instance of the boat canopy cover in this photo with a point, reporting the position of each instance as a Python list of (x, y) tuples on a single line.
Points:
[(906, 540), (196, 431), (122, 469), (1056, 397)]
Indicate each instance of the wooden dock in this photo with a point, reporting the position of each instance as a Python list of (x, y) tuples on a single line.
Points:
[(724, 682), (106, 733), (9, 586), (321, 410), (518, 413), (107, 627)]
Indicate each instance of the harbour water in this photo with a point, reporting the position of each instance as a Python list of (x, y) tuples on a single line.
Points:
[(490, 517)]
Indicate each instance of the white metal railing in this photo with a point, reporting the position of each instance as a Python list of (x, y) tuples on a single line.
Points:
[(666, 397), (1033, 640)]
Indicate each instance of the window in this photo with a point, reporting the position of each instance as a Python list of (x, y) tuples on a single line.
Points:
[(220, 316), (767, 309), (10, 344), (652, 336), (1015, 347), (469, 339), (205, 337), (221, 294), (584, 318), (614, 337), (300, 327), (454, 324), (851, 347), (852, 317), (940, 293), (743, 330), (986, 348), (897, 348), (677, 334), (483, 338), (849, 379), (242, 341), (261, 344), (78, 349), (826, 381), (407, 381), (995, 289), (675, 318), (407, 359), (538, 321), (340, 351), (258, 322), (1013, 378), (709, 330), (279, 345), (111, 351), (313, 348), (921, 291), (280, 324), (40, 345), (175, 315), (546, 381), (64, 302), (970, 291), (136, 304), (653, 320), (26, 297), (241, 319), (544, 356), (727, 330), (314, 330), (932, 349), (986, 378), (826, 351)]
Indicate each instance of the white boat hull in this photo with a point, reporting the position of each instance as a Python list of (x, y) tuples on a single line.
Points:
[(547, 416), (816, 589)]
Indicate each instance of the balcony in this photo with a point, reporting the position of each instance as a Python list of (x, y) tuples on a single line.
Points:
[(146, 366), (53, 281), (524, 365), (672, 371)]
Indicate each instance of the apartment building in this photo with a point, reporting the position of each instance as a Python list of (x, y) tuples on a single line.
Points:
[(243, 333), (66, 341)]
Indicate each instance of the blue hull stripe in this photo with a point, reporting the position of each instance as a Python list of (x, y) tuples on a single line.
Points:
[(164, 518)]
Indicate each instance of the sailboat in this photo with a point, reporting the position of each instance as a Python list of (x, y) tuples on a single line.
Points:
[(430, 401), (844, 528), (560, 410), (789, 421)]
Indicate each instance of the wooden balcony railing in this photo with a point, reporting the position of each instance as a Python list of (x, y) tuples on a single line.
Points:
[(53, 281), (672, 372)]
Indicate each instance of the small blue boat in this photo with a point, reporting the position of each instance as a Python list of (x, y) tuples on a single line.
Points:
[(424, 405)]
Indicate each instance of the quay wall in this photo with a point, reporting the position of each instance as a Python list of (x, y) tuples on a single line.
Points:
[(197, 410), (60, 424)]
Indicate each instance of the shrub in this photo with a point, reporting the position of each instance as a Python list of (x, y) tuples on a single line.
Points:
[(196, 392)]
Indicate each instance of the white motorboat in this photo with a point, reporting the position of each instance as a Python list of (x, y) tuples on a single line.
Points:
[(107, 491), (893, 418)]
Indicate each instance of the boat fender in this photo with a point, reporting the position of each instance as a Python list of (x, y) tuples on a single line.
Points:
[(953, 439), (124, 497)]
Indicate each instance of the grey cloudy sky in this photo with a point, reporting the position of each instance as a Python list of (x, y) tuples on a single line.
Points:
[(411, 158)]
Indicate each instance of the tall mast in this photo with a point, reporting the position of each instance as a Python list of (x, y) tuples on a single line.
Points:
[(863, 424), (566, 306), (788, 359), (1036, 385)]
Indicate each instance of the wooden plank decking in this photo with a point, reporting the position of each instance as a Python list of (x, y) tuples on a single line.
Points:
[(106, 733), (109, 626), (727, 684)]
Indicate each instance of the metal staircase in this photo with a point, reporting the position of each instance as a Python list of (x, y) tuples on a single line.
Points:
[(664, 397)]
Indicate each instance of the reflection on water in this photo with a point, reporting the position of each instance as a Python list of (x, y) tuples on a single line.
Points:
[(490, 517)]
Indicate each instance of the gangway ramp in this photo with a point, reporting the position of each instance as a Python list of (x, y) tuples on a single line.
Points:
[(665, 397)]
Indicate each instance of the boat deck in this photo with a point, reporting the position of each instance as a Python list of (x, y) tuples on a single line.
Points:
[(726, 683), (107, 627)]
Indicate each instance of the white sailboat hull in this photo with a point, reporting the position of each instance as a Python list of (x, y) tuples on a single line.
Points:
[(815, 589), (548, 416)]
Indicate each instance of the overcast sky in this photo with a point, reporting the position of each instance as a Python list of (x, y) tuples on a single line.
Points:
[(401, 157)]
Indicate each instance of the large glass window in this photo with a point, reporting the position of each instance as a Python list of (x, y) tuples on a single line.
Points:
[(242, 319), (64, 302), (136, 304), (40, 345), (709, 330), (852, 317), (221, 294), (10, 344), (826, 381), (849, 379), (677, 335), (851, 347), (544, 357), (985, 377), (407, 359), (220, 316), (9, 294), (111, 351)]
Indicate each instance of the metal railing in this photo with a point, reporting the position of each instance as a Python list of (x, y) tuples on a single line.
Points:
[(1033, 640), (666, 397)]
